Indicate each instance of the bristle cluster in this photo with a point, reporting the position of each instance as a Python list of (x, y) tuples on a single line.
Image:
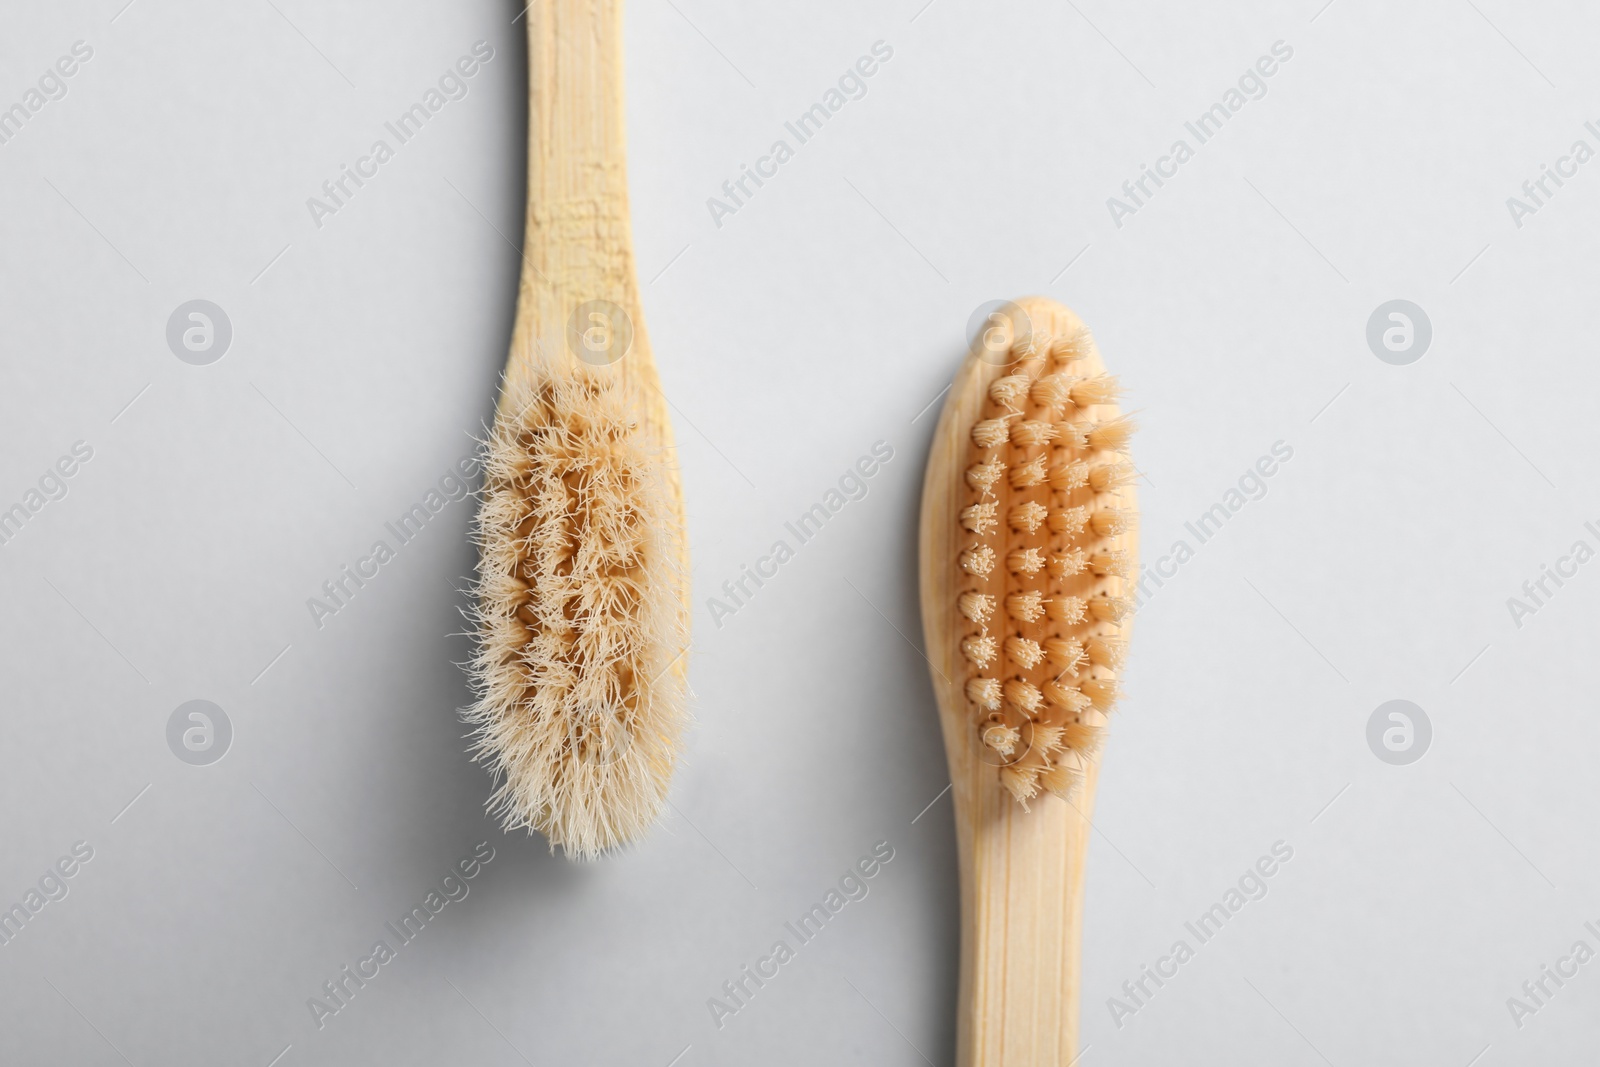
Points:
[(580, 617), (1045, 563)]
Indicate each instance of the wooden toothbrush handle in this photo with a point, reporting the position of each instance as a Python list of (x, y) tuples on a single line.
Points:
[(1021, 922), (578, 247)]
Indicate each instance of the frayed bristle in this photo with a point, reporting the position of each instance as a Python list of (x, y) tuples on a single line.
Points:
[(1024, 652), (580, 620), (1034, 432), (980, 650), (979, 518), (1029, 474), (1026, 518), (984, 692), (1045, 555), (1111, 436), (1024, 561), (1065, 653), (1069, 476), (983, 476)]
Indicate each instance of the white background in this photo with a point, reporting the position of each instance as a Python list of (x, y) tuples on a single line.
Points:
[(824, 316)]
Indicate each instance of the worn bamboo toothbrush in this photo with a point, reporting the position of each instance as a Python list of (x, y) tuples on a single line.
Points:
[(583, 610), (1027, 546)]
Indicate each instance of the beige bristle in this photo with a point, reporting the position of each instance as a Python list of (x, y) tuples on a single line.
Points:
[(982, 476), (579, 709), (1083, 737), (978, 560), (1065, 653), (1069, 347), (1067, 609), (1061, 780), (1106, 652), (1024, 695), (1024, 561), (980, 518), (1101, 389), (1111, 436), (1023, 652), (1021, 783), (1045, 740), (980, 650), (1025, 607), (1113, 563), (1070, 521), (1026, 518), (991, 433), (1102, 692), (1108, 476), (976, 607), (1002, 738), (1074, 434), (1008, 390), (984, 692), (1067, 564), (1108, 522), (1065, 696), (1033, 432), (1069, 476), (1029, 474), (1109, 608), (1053, 390)]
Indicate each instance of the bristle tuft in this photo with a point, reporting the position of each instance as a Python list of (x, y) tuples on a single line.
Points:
[(1065, 654), (1106, 652), (1114, 563), (1067, 609), (1024, 695), (1061, 780), (980, 518), (1002, 738), (976, 607), (983, 476), (980, 650), (1101, 389), (1029, 474), (1067, 564), (984, 692), (1108, 522), (1021, 783), (1024, 561), (1025, 653), (991, 433), (1065, 696), (1025, 607), (978, 560), (1102, 693), (1069, 476), (1110, 608), (1026, 518), (1111, 436), (1034, 432), (1008, 390)]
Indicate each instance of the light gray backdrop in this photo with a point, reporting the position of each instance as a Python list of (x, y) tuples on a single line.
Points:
[(825, 314)]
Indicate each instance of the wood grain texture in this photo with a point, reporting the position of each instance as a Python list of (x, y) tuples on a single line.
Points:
[(578, 244), (1021, 871)]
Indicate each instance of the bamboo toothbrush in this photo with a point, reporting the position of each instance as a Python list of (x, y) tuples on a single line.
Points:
[(582, 595), (1027, 546)]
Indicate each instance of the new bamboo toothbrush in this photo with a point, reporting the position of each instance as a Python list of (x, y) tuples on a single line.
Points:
[(583, 611), (1027, 545)]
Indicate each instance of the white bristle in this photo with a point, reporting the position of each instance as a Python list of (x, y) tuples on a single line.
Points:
[(976, 607), (991, 433), (1067, 609), (980, 518), (1024, 695), (978, 560), (1053, 390), (1109, 608), (1065, 654), (1033, 432), (982, 476), (1102, 692), (984, 692), (1067, 564), (1025, 607), (1002, 738), (1074, 434), (1024, 561), (1111, 436), (1069, 476), (1106, 652), (1008, 390), (1026, 518), (1023, 652), (1020, 782), (1109, 476), (980, 650), (1108, 522), (1101, 389), (1069, 520), (1029, 474), (1065, 696), (1114, 563)]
